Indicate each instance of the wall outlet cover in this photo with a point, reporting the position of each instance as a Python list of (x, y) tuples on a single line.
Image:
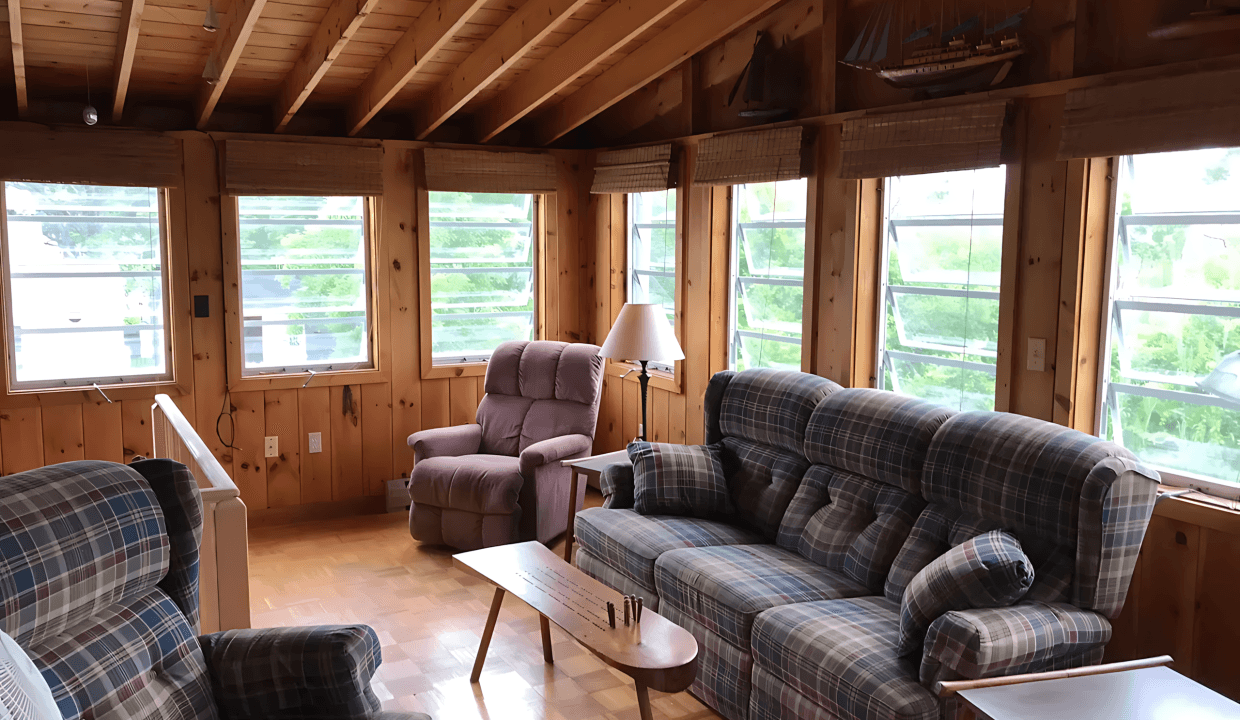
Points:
[(316, 442), (271, 446)]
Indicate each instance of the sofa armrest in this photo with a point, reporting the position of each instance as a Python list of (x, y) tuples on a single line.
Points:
[(553, 450), (446, 442), (320, 671), (616, 484), (1030, 637)]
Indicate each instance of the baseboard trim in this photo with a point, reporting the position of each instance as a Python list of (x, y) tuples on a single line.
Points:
[(372, 505)]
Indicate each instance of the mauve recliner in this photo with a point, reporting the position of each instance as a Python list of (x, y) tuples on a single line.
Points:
[(500, 480)]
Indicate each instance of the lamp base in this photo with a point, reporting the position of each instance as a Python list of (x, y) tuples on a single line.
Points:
[(644, 379)]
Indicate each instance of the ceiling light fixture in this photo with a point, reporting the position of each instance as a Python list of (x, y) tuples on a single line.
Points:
[(211, 22), (211, 73), (89, 114)]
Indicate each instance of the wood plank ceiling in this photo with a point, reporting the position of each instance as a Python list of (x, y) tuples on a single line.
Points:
[(520, 71)]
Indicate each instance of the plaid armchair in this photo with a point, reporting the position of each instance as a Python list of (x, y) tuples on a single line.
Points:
[(99, 584)]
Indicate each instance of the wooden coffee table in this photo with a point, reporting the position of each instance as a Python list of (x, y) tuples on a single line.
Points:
[(657, 653)]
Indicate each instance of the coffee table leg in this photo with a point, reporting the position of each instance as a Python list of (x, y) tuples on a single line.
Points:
[(486, 634), (572, 518), (546, 637), (643, 702)]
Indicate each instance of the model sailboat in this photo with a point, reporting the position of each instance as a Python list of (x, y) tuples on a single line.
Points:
[(966, 56)]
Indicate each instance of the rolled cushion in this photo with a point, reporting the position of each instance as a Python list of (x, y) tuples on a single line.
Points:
[(988, 571), (679, 480)]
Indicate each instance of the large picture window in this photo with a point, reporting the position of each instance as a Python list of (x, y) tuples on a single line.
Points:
[(305, 284), (85, 277), (652, 253), (482, 251), (768, 273), (1171, 385), (942, 253)]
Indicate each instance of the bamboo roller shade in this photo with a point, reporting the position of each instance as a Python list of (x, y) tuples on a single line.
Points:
[(486, 171), (1176, 113), (94, 156), (258, 167), (752, 157), (635, 170), (962, 137)]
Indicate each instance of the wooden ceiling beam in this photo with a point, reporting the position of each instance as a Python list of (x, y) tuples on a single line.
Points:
[(610, 31), (433, 29), (684, 38), (19, 56), (126, 44), (525, 29), (343, 19), (234, 32)]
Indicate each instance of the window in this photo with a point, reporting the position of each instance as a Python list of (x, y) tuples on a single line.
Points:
[(481, 272), (942, 255), (305, 280), (768, 272), (86, 288), (652, 253), (1171, 386)]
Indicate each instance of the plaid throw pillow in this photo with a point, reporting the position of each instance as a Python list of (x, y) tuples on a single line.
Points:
[(989, 571), (679, 480)]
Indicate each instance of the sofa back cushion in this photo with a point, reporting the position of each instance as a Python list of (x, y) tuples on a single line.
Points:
[(1048, 484), (762, 481)]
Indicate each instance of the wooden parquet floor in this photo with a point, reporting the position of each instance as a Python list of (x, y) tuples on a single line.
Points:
[(429, 617)]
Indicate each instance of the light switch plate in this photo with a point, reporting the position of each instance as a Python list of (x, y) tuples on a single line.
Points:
[(316, 442), (1037, 354), (271, 446)]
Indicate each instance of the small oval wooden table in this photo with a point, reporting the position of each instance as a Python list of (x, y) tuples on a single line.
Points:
[(656, 653)]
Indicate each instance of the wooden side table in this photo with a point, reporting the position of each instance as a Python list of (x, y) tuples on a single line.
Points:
[(587, 467)]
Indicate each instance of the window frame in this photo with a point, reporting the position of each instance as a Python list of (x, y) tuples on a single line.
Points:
[(237, 380), (1176, 478), (177, 381), (544, 208)]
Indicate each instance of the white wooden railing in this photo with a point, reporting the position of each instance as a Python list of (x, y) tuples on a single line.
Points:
[(224, 564)]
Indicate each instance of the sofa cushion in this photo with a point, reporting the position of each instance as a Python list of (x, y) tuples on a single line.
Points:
[(724, 588), (486, 484), (181, 502), (841, 654), (723, 669), (763, 480), (987, 571), (771, 406), (679, 480), (502, 417), (630, 543)]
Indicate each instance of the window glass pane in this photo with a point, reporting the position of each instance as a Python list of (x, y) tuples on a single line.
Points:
[(943, 248), (768, 268), (482, 273), (1172, 393), (652, 250), (304, 297), (86, 266)]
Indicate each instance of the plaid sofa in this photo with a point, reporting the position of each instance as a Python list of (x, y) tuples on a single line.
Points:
[(843, 496), (99, 584)]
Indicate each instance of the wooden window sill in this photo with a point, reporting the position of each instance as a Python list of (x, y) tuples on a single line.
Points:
[(45, 397), (1203, 510), (660, 379), (295, 381), (453, 370)]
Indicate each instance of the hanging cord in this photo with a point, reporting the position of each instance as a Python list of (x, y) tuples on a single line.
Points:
[(770, 251), (226, 412)]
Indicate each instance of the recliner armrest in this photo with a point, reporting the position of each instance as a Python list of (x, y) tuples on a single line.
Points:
[(1030, 637), (553, 450), (321, 671), (446, 442), (616, 484)]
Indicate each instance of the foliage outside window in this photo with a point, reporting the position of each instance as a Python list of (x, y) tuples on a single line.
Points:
[(86, 285), (1171, 387), (942, 255), (768, 272), (482, 273), (304, 284), (652, 253)]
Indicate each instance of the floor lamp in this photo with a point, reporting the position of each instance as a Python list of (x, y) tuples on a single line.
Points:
[(642, 334)]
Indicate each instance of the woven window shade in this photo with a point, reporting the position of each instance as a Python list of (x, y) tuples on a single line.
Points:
[(753, 157), (636, 170), (257, 167), (485, 171), (964, 137), (98, 156), (1179, 113)]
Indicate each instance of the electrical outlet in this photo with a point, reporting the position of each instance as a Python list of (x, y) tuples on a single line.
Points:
[(1037, 354), (316, 442), (271, 446)]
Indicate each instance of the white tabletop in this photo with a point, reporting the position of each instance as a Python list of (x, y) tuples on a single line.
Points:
[(596, 463)]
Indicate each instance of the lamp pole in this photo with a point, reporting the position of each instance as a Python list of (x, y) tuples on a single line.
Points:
[(644, 379)]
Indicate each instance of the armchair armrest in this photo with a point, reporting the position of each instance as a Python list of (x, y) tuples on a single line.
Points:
[(553, 450), (321, 671), (616, 484), (1030, 637), (446, 442)]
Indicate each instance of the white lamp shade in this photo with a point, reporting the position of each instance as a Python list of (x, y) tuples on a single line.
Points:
[(642, 332)]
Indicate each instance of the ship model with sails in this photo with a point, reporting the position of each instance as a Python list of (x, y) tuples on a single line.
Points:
[(967, 56)]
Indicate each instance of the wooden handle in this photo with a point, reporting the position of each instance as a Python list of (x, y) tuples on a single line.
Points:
[(947, 688)]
